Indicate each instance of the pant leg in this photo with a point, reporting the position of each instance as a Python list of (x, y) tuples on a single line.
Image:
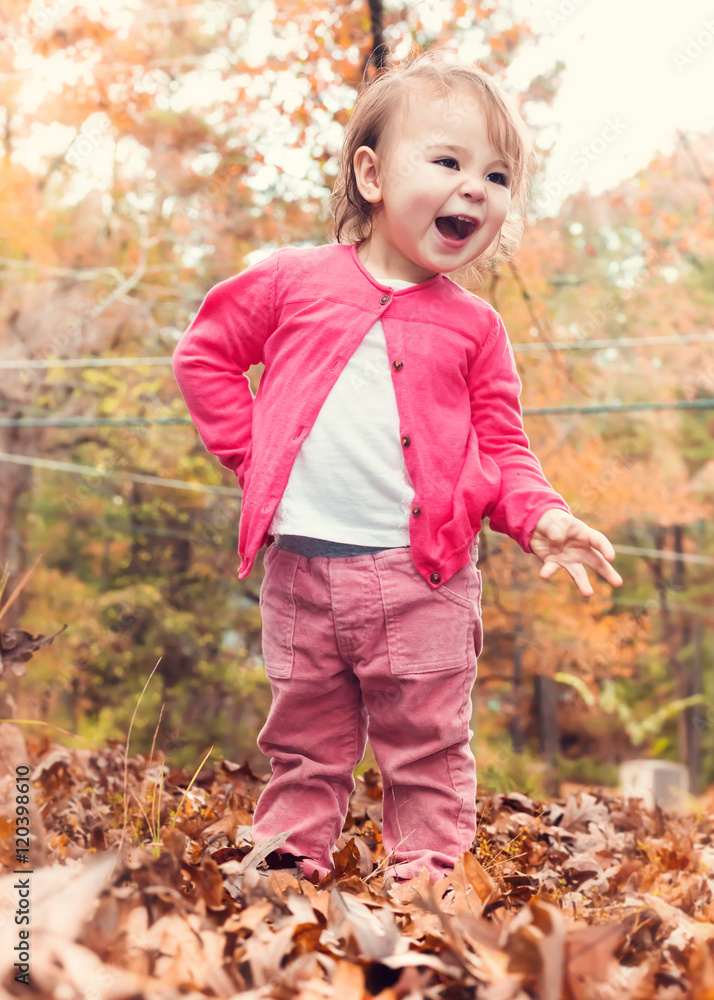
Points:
[(417, 680), (429, 807), (316, 730)]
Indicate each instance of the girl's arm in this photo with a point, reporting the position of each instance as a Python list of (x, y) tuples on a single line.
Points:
[(225, 338), (495, 388)]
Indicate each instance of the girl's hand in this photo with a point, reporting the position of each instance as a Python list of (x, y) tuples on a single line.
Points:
[(559, 539)]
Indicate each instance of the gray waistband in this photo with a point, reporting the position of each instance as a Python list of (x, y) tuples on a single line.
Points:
[(310, 547)]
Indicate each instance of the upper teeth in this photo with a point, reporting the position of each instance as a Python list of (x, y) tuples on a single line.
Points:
[(464, 218)]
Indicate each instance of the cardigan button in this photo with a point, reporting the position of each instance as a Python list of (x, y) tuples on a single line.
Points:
[(384, 300), (397, 365), (406, 441), (435, 577), (416, 511)]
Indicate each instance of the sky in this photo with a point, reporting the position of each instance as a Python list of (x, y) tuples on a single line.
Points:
[(636, 72)]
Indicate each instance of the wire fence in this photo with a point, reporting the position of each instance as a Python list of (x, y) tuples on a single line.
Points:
[(135, 477), (569, 345), (528, 411), (92, 471)]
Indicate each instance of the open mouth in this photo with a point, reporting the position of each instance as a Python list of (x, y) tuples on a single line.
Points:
[(456, 227)]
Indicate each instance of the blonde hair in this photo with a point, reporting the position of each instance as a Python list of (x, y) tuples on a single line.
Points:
[(378, 103)]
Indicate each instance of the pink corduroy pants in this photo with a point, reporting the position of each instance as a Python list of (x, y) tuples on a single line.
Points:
[(362, 647)]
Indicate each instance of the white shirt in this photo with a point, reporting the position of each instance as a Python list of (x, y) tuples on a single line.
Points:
[(349, 482)]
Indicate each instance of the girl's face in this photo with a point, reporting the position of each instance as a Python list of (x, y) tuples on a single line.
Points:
[(440, 191)]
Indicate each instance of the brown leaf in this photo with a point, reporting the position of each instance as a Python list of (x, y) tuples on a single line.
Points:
[(519, 802), (579, 814), (536, 945), (348, 981), (473, 886), (252, 916), (582, 869), (265, 949), (235, 869), (17, 646), (353, 859), (590, 960), (626, 874), (375, 932)]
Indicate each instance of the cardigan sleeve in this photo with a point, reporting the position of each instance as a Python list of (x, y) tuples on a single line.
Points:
[(495, 387), (209, 363)]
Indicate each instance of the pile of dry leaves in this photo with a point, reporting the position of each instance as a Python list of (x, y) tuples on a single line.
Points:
[(577, 899)]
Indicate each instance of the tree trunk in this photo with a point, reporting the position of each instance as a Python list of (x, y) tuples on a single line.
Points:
[(377, 56), (15, 480), (694, 756), (516, 723), (672, 642), (545, 699)]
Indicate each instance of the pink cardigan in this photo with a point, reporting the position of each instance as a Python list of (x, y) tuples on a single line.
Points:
[(303, 312)]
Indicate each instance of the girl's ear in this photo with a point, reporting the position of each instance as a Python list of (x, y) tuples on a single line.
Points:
[(366, 167)]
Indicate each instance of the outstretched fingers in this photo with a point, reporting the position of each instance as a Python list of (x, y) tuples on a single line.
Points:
[(600, 556), (595, 550), (576, 570), (602, 544)]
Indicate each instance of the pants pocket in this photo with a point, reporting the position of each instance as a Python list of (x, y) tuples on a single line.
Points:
[(478, 624), (431, 630), (277, 612)]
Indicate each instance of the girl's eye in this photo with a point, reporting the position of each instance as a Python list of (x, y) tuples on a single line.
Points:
[(448, 161), (502, 179)]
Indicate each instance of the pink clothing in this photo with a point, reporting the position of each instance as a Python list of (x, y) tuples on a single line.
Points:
[(302, 312), (362, 646), (349, 482)]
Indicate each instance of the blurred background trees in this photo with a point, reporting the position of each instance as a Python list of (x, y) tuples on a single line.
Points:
[(150, 151)]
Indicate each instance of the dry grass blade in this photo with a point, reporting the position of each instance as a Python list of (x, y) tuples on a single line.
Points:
[(388, 862), (511, 841), (156, 793), (156, 731), (195, 775), (18, 589), (229, 931), (126, 759), (39, 722)]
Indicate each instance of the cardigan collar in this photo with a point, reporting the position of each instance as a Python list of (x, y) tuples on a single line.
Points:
[(417, 286)]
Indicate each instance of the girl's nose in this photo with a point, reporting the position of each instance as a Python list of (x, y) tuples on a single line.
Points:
[(473, 188)]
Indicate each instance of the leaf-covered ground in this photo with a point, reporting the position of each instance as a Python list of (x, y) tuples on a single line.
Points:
[(575, 898)]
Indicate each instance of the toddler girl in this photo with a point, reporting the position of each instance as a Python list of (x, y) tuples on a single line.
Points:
[(386, 425)]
